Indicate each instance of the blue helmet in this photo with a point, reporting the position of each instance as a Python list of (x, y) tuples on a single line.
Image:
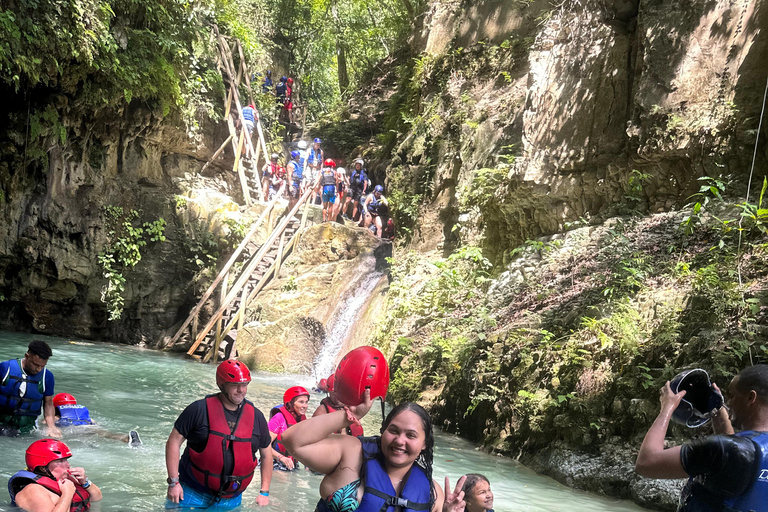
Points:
[(379, 189), (269, 73), (700, 399), (317, 141), (283, 79), (295, 154)]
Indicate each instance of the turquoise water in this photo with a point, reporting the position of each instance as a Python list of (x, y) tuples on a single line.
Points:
[(129, 388)]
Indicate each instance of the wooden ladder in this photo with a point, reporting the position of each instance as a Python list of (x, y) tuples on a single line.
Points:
[(250, 182), (260, 264)]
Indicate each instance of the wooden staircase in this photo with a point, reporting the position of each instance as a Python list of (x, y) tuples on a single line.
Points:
[(260, 264)]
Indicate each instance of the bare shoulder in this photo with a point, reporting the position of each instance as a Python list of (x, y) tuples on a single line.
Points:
[(36, 498), (439, 497)]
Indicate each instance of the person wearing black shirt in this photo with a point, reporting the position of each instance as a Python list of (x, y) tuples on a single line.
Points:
[(212, 471), (727, 471)]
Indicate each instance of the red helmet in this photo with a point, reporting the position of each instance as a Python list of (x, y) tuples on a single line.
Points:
[(362, 368), (63, 399), (293, 393), (329, 163), (323, 385), (232, 371), (290, 80), (331, 380), (44, 451)]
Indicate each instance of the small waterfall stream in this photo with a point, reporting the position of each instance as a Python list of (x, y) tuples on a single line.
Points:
[(349, 311)]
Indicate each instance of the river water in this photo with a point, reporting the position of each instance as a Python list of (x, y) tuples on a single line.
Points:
[(132, 388)]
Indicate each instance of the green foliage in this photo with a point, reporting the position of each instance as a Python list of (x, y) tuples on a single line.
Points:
[(290, 285), (126, 237)]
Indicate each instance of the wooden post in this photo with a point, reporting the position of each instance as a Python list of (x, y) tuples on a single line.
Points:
[(217, 341), (245, 70), (280, 254), (239, 169), (217, 153)]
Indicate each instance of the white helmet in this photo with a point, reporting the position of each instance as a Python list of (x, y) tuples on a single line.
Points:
[(341, 169), (302, 144)]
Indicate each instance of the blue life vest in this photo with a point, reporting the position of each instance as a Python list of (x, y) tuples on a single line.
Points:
[(249, 114), (358, 179), (373, 206), (379, 494), (73, 415), (315, 156), (266, 85), (281, 89), (32, 402), (695, 497), (297, 172)]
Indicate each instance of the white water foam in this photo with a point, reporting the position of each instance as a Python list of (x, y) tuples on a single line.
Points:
[(347, 315)]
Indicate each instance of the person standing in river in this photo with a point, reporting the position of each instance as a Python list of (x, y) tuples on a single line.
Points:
[(727, 471), (26, 389), (223, 433)]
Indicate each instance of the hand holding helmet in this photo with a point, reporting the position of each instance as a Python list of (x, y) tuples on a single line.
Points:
[(692, 397), (363, 369)]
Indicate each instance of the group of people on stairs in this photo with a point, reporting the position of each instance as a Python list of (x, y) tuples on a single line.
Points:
[(344, 195)]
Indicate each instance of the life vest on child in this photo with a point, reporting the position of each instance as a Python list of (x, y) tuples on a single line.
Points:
[(353, 430), (208, 466), (81, 500), (379, 495), (73, 415), (290, 419), (697, 497), (32, 402)]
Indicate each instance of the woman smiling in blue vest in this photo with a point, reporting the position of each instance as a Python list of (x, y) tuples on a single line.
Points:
[(373, 474)]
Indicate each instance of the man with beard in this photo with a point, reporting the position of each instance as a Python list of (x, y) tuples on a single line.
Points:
[(727, 471), (223, 433)]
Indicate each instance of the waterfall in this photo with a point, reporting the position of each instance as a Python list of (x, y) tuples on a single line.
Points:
[(348, 312)]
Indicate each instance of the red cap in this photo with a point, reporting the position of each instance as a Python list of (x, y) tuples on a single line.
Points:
[(63, 399), (44, 451), (362, 368), (232, 371), (293, 392)]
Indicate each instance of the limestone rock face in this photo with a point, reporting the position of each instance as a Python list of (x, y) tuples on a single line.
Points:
[(54, 227), (290, 321), (579, 109)]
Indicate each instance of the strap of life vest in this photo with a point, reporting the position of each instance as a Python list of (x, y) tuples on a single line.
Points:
[(395, 501)]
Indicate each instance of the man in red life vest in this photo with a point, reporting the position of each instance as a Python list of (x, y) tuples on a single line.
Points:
[(49, 483), (223, 433)]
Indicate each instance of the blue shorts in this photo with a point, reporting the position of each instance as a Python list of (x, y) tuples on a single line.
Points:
[(329, 194), (195, 499)]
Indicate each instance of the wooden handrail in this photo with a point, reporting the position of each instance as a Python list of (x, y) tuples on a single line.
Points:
[(246, 239), (246, 273), (271, 270)]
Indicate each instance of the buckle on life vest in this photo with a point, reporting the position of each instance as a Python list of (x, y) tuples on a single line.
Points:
[(397, 502)]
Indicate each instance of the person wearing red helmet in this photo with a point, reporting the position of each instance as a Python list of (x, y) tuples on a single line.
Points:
[(26, 389), (50, 484), (330, 404), (292, 411), (360, 472), (71, 414), (223, 433), (327, 179)]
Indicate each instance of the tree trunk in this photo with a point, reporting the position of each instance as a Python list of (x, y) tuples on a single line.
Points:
[(341, 55)]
